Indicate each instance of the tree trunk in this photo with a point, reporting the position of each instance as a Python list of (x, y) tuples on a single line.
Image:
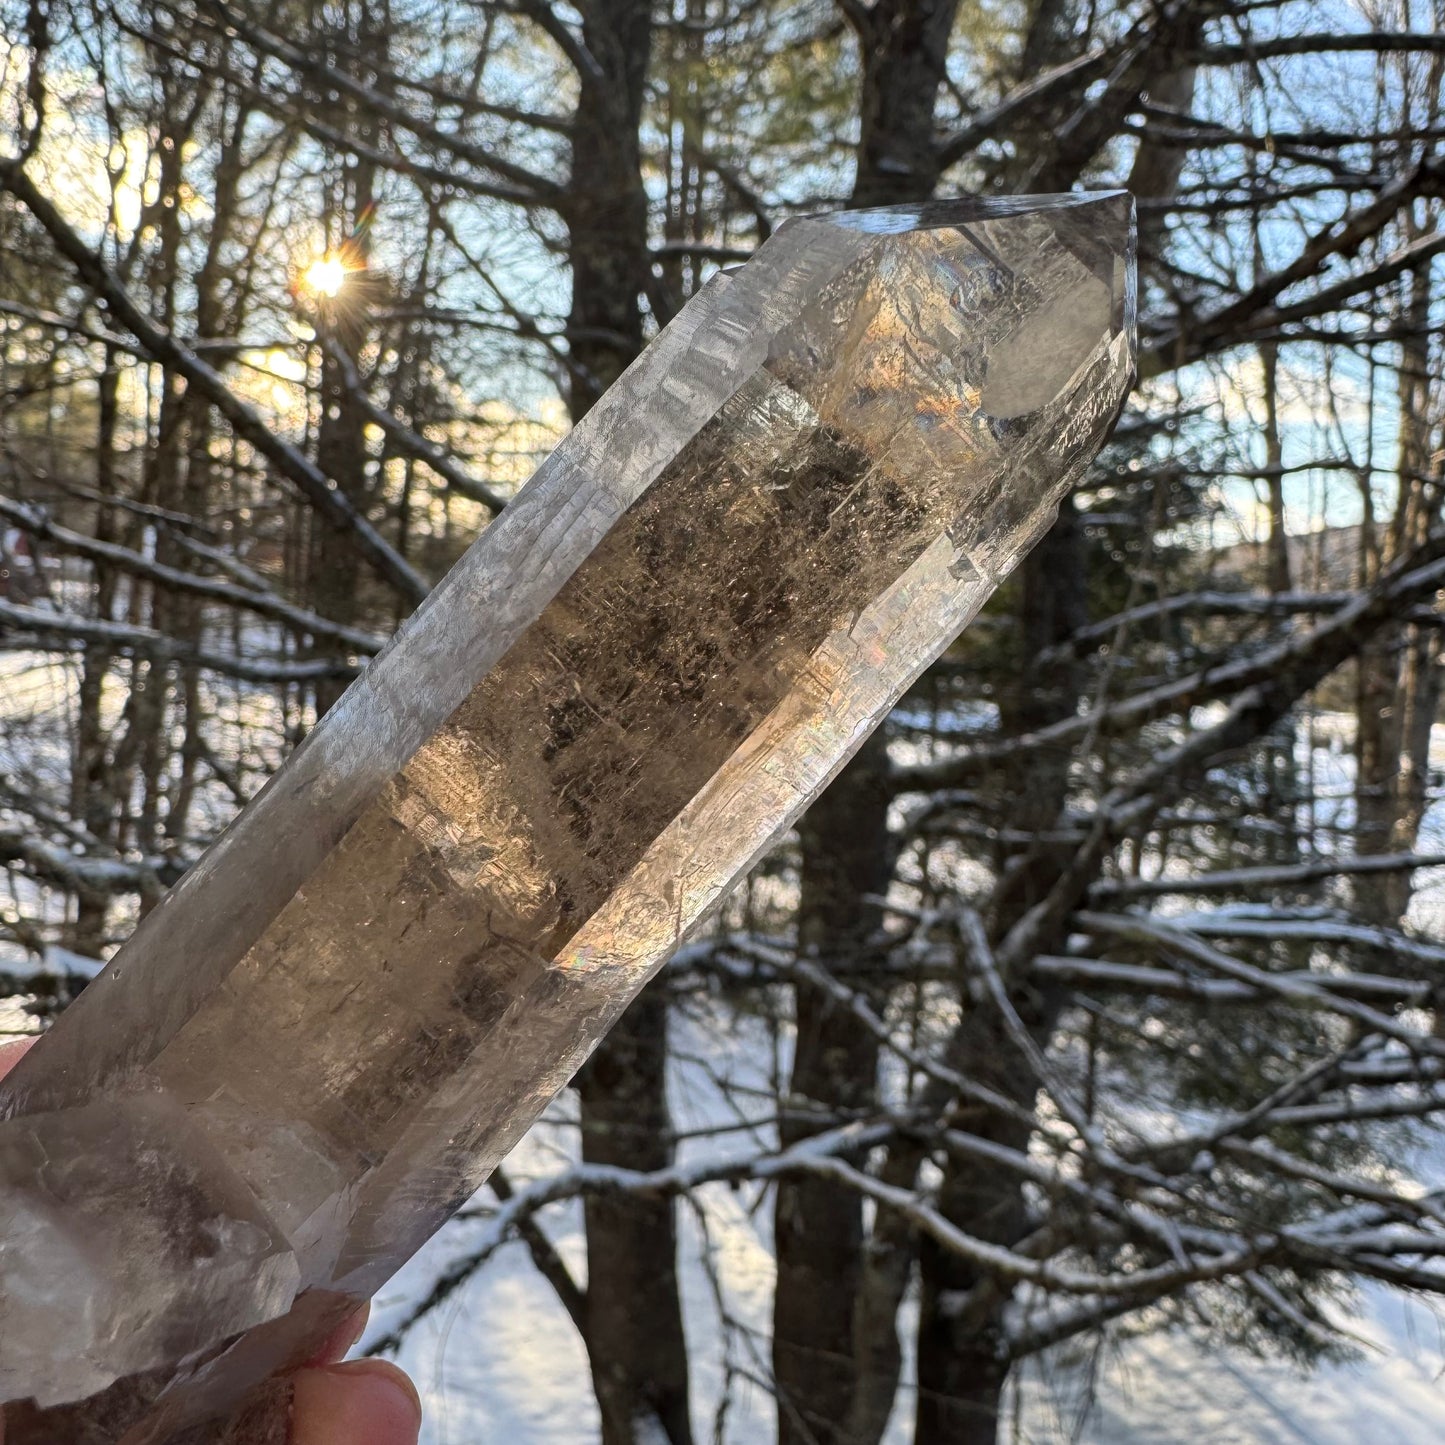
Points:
[(835, 1367), (1398, 673), (634, 1333), (963, 1361), (342, 325), (847, 855), (91, 798), (1277, 570), (905, 57)]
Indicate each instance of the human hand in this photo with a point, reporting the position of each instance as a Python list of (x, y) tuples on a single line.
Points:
[(363, 1402)]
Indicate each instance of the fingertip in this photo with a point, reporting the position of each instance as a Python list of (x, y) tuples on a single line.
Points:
[(366, 1402), (340, 1340), (10, 1055)]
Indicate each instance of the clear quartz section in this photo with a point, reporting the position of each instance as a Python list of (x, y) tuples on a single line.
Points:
[(329, 1033)]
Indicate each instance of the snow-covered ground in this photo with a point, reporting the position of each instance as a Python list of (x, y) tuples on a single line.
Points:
[(1162, 1388), (501, 1361)]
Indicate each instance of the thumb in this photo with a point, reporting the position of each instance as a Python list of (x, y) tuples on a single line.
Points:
[(366, 1402)]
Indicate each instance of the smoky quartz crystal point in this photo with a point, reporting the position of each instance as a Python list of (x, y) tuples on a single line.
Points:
[(321, 1042)]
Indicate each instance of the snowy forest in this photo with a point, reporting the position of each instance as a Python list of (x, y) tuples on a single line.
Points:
[(1072, 1071)]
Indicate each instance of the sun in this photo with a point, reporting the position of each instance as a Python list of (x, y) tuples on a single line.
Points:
[(326, 275)]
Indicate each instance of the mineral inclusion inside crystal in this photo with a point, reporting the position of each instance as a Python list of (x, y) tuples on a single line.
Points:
[(328, 1034)]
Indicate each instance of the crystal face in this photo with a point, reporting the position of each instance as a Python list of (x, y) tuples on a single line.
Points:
[(321, 1042)]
